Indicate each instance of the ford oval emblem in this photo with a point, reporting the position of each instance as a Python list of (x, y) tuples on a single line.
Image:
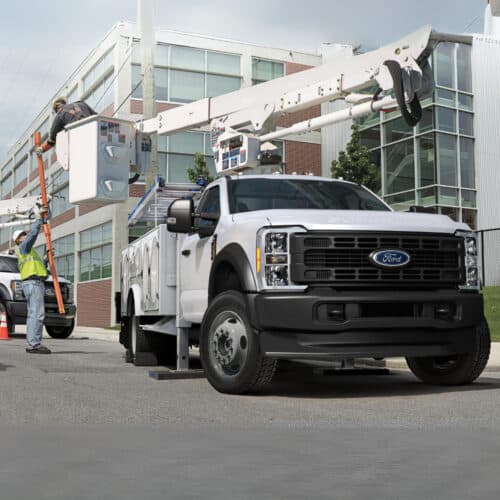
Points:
[(390, 259)]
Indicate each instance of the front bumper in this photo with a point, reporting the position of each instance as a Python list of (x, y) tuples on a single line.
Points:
[(326, 324), (18, 312)]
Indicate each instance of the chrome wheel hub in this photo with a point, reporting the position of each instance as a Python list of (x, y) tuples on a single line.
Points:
[(228, 343)]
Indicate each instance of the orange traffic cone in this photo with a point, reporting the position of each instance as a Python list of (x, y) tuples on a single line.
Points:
[(4, 329)]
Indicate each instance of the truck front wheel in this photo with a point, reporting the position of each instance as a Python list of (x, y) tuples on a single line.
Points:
[(455, 370), (60, 332), (229, 347)]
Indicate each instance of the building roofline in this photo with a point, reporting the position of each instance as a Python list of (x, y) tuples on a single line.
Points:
[(134, 26), (466, 38)]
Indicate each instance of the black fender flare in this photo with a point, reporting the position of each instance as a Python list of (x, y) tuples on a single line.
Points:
[(234, 255), (4, 293)]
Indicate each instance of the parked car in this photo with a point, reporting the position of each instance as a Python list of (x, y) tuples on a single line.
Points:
[(12, 300)]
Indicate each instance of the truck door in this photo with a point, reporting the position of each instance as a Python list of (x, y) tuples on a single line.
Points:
[(196, 257)]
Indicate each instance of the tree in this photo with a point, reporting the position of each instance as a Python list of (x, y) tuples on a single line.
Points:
[(354, 164), (200, 170)]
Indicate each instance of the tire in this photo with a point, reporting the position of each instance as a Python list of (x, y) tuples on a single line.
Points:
[(140, 351), (229, 348), (60, 332), (455, 370)]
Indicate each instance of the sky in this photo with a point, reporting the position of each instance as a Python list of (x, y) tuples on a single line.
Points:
[(43, 41)]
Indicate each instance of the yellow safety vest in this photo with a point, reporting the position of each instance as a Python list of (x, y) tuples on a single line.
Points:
[(31, 264)]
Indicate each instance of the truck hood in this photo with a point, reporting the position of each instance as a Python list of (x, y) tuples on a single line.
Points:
[(352, 220)]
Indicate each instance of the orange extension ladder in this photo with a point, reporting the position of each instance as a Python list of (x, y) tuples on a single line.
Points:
[(46, 228)]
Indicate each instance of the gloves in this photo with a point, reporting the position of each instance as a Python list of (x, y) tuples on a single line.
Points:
[(39, 151), (41, 212)]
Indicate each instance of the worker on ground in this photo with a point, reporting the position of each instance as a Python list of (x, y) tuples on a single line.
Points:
[(33, 276), (65, 114)]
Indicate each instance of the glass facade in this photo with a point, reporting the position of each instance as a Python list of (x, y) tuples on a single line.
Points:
[(96, 253), (186, 74), (176, 154), (431, 165)]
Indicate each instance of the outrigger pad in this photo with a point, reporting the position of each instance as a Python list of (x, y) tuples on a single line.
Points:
[(166, 374)]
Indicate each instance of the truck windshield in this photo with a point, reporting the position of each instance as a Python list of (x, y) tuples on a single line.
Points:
[(247, 195), (8, 265)]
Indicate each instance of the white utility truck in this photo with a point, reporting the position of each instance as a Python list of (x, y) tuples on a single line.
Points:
[(259, 268)]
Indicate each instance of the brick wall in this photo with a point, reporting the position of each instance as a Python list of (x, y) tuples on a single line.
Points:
[(20, 186), (85, 208), (136, 190), (108, 111), (136, 106), (62, 218), (302, 157), (94, 303), (300, 116)]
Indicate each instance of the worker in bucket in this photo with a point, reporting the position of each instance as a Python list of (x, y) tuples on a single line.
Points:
[(65, 114), (33, 276)]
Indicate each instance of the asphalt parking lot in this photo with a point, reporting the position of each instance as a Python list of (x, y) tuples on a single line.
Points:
[(83, 424)]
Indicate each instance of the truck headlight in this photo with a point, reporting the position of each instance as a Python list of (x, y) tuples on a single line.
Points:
[(17, 290), (276, 243), (70, 296), (273, 258), (471, 259)]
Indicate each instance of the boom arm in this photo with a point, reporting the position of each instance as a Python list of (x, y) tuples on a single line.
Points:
[(256, 109)]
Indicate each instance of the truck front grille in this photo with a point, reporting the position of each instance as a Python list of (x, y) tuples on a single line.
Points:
[(340, 258), (50, 295)]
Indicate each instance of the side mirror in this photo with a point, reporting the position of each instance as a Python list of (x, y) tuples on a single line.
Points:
[(180, 216)]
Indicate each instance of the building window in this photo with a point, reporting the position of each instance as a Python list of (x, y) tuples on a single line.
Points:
[(444, 62), (184, 74), (102, 95), (464, 67), (96, 253), (60, 201), (21, 171), (446, 119), (400, 167), (103, 66), (64, 257), (7, 185), (447, 159), (264, 70), (426, 161), (396, 130), (72, 95), (176, 154), (467, 168)]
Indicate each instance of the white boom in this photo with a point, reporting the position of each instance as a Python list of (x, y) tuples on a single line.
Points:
[(20, 208), (256, 108)]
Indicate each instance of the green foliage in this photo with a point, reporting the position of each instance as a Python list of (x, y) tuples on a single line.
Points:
[(491, 296), (199, 169), (354, 164)]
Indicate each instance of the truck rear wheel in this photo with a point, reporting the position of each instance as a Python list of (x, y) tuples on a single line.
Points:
[(60, 332), (229, 347), (455, 370), (140, 351)]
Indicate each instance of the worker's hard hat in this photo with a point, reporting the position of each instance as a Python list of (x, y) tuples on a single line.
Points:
[(60, 101), (16, 235)]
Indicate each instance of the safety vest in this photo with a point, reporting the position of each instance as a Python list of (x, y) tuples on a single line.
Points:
[(31, 264)]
